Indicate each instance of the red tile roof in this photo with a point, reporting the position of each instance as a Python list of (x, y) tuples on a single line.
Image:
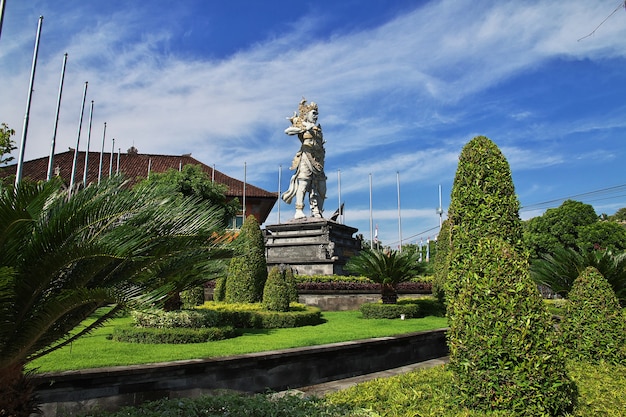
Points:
[(133, 165)]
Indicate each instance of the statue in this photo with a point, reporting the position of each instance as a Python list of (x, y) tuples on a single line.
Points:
[(308, 162)]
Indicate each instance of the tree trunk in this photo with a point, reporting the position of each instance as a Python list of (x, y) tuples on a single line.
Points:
[(389, 294), (16, 393)]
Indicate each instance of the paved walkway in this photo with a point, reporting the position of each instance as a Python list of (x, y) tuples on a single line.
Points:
[(320, 390)]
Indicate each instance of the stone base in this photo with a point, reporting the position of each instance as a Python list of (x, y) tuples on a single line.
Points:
[(311, 246)]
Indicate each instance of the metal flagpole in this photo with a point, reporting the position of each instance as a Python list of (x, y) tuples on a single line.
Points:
[(371, 218), (104, 133), (149, 167), (111, 159), (80, 124), (245, 167), (280, 172), (56, 120), (440, 209), (213, 174), (2, 4), (20, 160), (339, 193), (399, 217), (88, 143)]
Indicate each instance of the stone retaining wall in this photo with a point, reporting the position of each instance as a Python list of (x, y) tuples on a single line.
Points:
[(66, 393)]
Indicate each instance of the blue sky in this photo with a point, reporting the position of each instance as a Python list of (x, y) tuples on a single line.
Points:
[(401, 87)]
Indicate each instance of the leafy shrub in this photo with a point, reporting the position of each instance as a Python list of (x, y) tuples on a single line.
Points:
[(430, 393), (169, 319), (252, 316), (219, 289), (503, 351), (389, 311), (173, 335), (279, 290), (247, 273), (441, 262), (428, 306), (192, 297), (593, 326)]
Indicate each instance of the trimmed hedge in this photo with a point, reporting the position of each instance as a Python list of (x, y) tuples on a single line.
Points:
[(279, 290), (252, 316), (174, 335), (181, 318), (411, 308)]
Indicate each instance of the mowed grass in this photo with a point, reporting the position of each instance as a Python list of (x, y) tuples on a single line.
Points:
[(96, 350)]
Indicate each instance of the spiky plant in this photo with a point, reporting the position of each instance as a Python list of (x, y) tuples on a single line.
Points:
[(64, 257), (559, 270), (387, 269)]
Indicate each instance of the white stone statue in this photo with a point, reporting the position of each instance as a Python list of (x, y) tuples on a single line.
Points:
[(308, 162)]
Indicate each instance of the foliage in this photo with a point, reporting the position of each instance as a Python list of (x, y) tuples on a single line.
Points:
[(601, 235), (559, 270), (503, 352), (219, 289), (385, 268), (414, 286), (429, 306), (160, 319), (192, 181), (619, 216), (389, 311), (430, 393), (441, 262), (171, 335), (558, 227), (62, 258), (192, 297), (247, 273), (231, 404), (280, 290), (253, 316), (593, 328), (7, 145)]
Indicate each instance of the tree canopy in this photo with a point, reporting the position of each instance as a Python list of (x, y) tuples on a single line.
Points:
[(6, 143)]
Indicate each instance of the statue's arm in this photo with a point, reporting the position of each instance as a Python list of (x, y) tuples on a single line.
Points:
[(293, 130)]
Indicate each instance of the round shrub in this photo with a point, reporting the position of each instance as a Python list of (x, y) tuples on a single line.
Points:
[(593, 326), (174, 335), (192, 297), (219, 290), (441, 262), (278, 291)]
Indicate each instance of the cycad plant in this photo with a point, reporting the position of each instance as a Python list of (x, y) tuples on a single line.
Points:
[(559, 270), (387, 268), (61, 258)]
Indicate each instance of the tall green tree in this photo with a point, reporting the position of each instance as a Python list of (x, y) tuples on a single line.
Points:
[(192, 181), (387, 268), (558, 227), (6, 143), (62, 258), (247, 271), (503, 350)]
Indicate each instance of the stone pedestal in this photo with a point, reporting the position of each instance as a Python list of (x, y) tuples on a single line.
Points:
[(311, 246)]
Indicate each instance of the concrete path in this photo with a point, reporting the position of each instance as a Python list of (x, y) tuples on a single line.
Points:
[(320, 390)]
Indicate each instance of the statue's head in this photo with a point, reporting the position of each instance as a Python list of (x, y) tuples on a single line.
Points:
[(308, 112)]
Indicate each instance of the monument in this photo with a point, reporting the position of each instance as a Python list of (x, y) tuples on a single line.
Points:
[(309, 244)]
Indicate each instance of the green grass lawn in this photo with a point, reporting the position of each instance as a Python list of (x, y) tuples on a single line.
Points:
[(95, 350)]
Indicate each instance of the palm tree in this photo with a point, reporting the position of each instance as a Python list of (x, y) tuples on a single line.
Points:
[(63, 258), (387, 269), (559, 270)]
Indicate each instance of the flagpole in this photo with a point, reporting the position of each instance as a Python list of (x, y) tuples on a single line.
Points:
[(88, 144), (440, 209), (80, 124), (2, 4), (245, 167), (104, 133), (371, 218), (119, 153), (280, 172), (339, 194), (399, 217), (56, 120), (111, 158), (20, 159)]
